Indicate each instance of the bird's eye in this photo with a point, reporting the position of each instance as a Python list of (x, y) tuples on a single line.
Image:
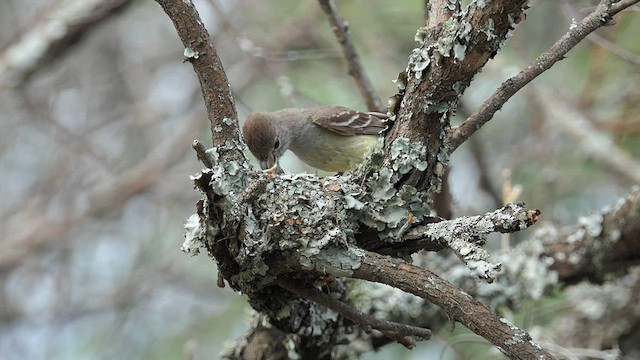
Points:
[(276, 144)]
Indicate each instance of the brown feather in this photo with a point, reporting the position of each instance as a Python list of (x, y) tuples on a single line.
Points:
[(348, 122)]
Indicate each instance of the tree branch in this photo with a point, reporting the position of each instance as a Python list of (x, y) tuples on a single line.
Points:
[(438, 72), (200, 52), (598, 245), (463, 235), (601, 16), (341, 30), (512, 341)]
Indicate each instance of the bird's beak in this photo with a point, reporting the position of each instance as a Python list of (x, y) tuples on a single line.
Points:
[(271, 166)]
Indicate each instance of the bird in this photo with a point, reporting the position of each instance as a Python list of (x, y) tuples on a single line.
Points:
[(328, 138)]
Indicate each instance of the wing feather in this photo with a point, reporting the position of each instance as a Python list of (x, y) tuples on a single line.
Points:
[(349, 122)]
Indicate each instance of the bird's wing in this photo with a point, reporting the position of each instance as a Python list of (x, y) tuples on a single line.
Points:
[(349, 122)]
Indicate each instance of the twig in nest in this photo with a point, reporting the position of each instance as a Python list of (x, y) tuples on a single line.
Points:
[(400, 332)]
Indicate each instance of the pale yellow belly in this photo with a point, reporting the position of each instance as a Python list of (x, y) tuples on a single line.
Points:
[(333, 152)]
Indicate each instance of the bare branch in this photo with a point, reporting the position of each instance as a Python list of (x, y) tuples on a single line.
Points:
[(199, 50), (512, 341), (400, 332), (341, 30), (601, 16)]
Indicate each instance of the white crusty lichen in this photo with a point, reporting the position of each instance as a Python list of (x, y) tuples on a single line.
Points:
[(194, 235)]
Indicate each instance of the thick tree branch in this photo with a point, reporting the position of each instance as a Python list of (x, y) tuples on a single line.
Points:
[(343, 35), (213, 81), (450, 53), (601, 16), (512, 341)]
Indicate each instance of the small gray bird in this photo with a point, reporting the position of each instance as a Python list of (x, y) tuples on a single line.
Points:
[(329, 138)]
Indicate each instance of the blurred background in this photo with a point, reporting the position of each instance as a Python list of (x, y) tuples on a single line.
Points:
[(98, 111)]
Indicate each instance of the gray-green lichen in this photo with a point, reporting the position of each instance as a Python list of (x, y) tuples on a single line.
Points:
[(421, 35), (466, 236), (191, 53), (385, 208), (334, 261), (489, 29), (454, 39), (407, 155), (451, 5), (420, 57), (519, 337), (419, 61), (225, 179), (389, 303), (452, 42), (308, 215)]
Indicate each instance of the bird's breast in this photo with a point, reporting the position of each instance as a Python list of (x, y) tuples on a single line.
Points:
[(328, 151)]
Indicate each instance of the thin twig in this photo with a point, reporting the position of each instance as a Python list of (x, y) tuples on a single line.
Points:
[(570, 13), (109, 195), (203, 156), (341, 30), (601, 16), (396, 331)]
